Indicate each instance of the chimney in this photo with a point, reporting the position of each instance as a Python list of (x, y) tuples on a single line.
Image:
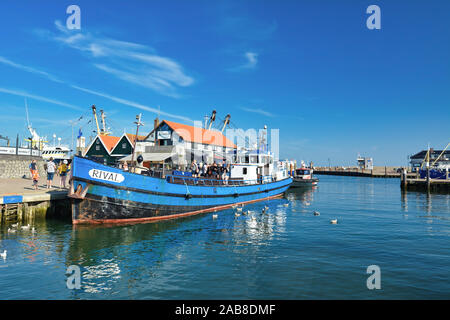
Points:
[(156, 123)]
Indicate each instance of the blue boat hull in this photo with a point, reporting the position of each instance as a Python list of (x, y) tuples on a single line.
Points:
[(103, 194)]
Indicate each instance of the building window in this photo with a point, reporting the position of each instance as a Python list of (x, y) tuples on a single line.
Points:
[(97, 148), (124, 145)]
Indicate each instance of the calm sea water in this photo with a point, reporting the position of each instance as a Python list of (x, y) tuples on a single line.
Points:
[(286, 254)]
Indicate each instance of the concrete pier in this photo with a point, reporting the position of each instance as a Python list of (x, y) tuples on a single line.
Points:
[(19, 202), (376, 172)]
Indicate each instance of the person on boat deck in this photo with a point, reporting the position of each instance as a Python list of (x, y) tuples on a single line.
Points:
[(194, 168), (225, 173), (34, 174), (125, 166), (200, 168), (62, 171), (204, 169), (139, 167), (51, 168)]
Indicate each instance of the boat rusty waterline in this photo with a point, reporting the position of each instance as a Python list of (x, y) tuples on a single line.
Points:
[(105, 194)]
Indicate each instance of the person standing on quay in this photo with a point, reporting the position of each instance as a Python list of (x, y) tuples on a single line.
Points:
[(62, 171), (51, 167), (34, 174)]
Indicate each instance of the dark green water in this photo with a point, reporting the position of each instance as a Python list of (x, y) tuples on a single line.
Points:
[(286, 254)]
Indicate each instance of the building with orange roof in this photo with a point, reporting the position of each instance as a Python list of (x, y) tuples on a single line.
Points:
[(191, 142)]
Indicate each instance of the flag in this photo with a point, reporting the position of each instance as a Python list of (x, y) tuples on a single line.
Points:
[(79, 133)]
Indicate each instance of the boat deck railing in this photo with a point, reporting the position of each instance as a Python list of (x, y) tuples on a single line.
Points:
[(215, 182)]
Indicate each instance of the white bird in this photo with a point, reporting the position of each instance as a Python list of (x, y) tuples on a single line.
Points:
[(266, 207), (236, 214), (286, 204), (214, 216), (334, 221), (11, 230), (244, 213), (253, 218), (15, 225), (26, 227), (33, 230), (316, 213), (239, 209), (3, 255)]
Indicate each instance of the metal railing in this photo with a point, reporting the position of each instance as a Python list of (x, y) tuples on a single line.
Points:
[(215, 182)]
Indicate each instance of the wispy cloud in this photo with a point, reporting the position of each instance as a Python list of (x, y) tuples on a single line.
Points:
[(251, 59), (104, 95), (127, 61), (259, 111), (28, 69), (40, 98), (131, 103)]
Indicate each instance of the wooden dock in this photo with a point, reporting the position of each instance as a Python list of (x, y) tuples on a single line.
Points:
[(424, 185), (19, 202)]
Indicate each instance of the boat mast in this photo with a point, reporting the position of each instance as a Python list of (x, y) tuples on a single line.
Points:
[(94, 110), (138, 124)]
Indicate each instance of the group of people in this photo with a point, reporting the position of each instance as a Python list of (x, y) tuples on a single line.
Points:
[(219, 172), (51, 168)]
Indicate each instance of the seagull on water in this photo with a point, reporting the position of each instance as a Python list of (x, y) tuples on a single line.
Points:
[(334, 221), (26, 227), (3, 255), (214, 216), (316, 213)]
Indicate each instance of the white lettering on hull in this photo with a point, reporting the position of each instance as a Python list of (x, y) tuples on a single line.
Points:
[(106, 175)]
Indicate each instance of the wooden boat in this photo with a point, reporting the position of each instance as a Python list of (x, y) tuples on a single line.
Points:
[(105, 194)]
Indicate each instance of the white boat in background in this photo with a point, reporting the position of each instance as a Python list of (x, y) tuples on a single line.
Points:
[(38, 146), (303, 177)]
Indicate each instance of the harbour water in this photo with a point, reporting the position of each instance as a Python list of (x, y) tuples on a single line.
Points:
[(287, 253)]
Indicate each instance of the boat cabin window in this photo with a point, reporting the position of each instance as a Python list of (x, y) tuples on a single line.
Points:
[(302, 172), (253, 159), (244, 170)]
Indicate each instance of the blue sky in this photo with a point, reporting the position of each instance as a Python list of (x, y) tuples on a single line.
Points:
[(312, 69)]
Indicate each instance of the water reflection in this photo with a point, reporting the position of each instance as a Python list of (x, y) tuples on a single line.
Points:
[(436, 206)]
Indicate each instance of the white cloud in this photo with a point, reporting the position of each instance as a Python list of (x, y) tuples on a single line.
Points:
[(128, 61), (259, 111), (29, 69), (252, 60), (40, 98), (131, 103)]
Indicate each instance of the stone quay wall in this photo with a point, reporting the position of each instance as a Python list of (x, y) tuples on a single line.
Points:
[(12, 166)]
